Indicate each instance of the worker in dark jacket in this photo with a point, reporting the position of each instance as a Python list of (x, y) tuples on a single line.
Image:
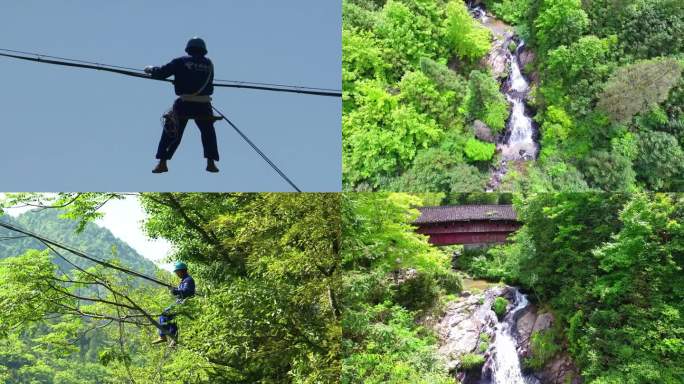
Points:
[(193, 83), (185, 289)]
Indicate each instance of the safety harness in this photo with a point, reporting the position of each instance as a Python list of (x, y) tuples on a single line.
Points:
[(170, 119)]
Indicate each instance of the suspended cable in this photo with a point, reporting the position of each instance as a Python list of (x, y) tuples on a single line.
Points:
[(56, 60), (81, 254), (263, 155), (276, 85)]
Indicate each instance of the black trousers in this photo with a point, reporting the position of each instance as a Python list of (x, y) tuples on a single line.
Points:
[(200, 112)]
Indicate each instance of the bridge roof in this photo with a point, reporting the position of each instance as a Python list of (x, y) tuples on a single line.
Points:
[(450, 213)]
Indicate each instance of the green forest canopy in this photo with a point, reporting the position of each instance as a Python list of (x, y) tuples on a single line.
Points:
[(607, 91), (314, 288)]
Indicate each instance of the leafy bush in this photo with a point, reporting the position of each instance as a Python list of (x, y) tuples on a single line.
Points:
[(543, 346), (477, 150), (499, 306), (471, 361), (450, 281), (483, 343), (390, 347), (419, 292)]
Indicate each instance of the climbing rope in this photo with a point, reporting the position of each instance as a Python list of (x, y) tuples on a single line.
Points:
[(263, 155), (81, 254), (56, 60)]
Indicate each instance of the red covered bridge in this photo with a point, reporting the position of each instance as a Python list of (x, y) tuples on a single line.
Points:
[(467, 224)]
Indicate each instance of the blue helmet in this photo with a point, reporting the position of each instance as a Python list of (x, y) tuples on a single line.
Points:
[(180, 266), (196, 44)]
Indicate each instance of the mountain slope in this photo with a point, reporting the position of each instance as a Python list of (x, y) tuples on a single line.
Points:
[(95, 241)]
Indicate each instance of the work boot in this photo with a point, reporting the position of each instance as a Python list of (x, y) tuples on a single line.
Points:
[(160, 340), (211, 166), (161, 167)]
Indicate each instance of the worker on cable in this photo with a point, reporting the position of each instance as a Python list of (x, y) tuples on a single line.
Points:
[(185, 289), (193, 83)]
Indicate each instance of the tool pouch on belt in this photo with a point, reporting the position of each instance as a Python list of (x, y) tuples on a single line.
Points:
[(170, 122)]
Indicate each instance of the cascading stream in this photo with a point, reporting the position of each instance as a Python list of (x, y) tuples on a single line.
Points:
[(503, 365), (517, 143)]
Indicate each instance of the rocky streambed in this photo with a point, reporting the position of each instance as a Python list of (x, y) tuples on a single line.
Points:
[(480, 347), (506, 59)]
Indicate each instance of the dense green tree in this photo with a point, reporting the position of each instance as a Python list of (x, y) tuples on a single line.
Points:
[(635, 88), (578, 70), (609, 171), (560, 22), (653, 28), (484, 101), (423, 94), (361, 58), (465, 36), (439, 170), (382, 136), (406, 36), (659, 161)]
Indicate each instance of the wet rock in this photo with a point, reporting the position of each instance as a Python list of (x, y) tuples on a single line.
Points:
[(560, 370), (402, 275), (524, 326), (526, 56), (498, 56), (482, 131), (544, 321), (459, 330)]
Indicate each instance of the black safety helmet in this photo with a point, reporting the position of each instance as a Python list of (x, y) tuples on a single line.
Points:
[(196, 45)]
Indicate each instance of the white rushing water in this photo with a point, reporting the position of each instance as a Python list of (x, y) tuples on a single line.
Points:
[(505, 364), (519, 144)]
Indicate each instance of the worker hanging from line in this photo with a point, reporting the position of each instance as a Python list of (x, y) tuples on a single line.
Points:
[(185, 290), (193, 78)]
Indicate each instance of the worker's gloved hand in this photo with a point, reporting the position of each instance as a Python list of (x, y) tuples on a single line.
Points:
[(149, 69)]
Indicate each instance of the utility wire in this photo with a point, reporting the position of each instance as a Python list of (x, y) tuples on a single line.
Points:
[(56, 60), (132, 72), (80, 253), (263, 155), (142, 72)]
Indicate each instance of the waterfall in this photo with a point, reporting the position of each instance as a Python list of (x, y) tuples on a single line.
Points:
[(517, 143), (503, 365)]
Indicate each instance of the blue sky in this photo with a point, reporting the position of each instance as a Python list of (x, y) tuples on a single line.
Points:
[(64, 129)]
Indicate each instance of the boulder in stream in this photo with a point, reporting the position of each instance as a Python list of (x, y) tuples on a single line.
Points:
[(526, 56), (482, 131)]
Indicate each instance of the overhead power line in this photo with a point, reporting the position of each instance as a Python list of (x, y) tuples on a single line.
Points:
[(81, 254), (128, 71)]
